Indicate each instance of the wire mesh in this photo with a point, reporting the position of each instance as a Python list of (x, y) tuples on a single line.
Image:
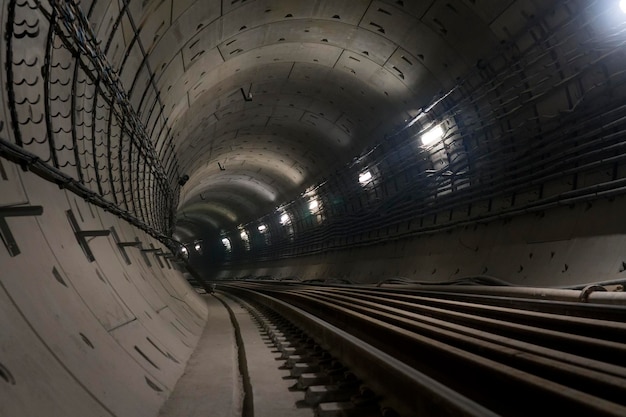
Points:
[(74, 118)]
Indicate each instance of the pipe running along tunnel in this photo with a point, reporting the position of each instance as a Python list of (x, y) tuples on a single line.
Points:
[(151, 148)]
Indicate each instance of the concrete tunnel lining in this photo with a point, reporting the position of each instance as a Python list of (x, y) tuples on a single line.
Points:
[(337, 88)]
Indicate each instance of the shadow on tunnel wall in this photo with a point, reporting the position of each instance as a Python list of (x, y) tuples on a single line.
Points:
[(529, 168)]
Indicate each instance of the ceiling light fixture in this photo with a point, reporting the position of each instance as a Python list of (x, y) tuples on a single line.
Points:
[(432, 135), (365, 177)]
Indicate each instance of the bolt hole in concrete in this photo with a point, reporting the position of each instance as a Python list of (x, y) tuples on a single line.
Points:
[(143, 355), (58, 276), (6, 375), (86, 340), (166, 354), (152, 385)]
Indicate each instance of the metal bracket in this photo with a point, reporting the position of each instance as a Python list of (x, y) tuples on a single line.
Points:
[(137, 244), (164, 255), (145, 256), (144, 252), (248, 96), (152, 249), (5, 231), (174, 259), (155, 251), (82, 235), (121, 246)]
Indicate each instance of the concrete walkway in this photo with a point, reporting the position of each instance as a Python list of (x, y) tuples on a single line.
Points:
[(211, 385), (272, 397)]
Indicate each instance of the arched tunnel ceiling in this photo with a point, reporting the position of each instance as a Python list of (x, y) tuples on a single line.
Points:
[(265, 97)]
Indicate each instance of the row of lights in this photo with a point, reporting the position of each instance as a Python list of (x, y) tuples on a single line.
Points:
[(430, 136), (245, 237)]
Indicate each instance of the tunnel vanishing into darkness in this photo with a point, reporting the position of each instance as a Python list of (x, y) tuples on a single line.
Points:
[(152, 146)]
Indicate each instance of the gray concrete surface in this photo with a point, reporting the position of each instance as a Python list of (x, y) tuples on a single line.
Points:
[(328, 79), (84, 338), (565, 246), (211, 384), (270, 386)]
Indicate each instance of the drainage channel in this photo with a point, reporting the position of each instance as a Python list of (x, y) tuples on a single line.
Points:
[(330, 388), (247, 407)]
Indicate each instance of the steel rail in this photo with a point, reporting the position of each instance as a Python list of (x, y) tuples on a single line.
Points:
[(545, 362), (600, 336), (578, 308), (413, 392), (491, 354), (594, 321), (599, 304), (571, 294)]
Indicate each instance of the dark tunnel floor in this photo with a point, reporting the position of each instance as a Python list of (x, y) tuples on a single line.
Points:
[(212, 384)]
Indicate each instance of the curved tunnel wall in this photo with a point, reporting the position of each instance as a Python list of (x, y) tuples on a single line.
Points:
[(563, 247), (525, 183), (255, 110), (108, 337), (97, 318)]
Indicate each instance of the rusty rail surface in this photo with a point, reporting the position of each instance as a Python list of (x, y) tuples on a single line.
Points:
[(459, 352)]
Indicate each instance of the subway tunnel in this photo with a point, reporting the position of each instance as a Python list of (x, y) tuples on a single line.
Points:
[(155, 151)]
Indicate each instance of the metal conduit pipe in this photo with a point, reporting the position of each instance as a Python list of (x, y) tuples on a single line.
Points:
[(530, 180), (322, 235), (35, 165)]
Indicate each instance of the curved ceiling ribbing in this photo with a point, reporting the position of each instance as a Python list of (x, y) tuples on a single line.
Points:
[(262, 98)]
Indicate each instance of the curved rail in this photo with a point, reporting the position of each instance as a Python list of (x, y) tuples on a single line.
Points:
[(459, 352)]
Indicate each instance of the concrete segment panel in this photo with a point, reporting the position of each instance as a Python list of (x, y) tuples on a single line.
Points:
[(37, 383), (62, 348)]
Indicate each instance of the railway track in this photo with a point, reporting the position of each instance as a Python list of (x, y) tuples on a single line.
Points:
[(453, 351)]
